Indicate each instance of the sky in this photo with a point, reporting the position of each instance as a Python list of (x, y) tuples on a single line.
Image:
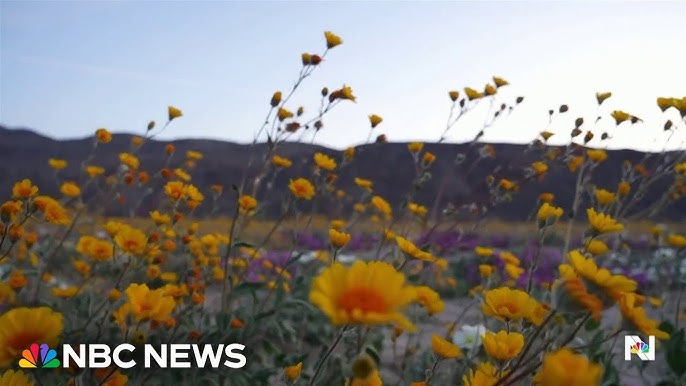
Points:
[(69, 68)]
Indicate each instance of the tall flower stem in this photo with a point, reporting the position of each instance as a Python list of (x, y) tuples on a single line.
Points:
[(432, 371), (326, 356), (575, 207), (225, 260), (534, 263)]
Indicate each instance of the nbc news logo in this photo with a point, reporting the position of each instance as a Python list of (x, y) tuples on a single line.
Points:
[(633, 345), (165, 356)]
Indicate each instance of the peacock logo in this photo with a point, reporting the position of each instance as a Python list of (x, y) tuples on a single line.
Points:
[(39, 356), (634, 345), (640, 347)]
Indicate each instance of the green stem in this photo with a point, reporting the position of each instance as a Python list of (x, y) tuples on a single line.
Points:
[(326, 356), (432, 371)]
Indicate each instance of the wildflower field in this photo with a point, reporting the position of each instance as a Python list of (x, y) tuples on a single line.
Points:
[(377, 294)]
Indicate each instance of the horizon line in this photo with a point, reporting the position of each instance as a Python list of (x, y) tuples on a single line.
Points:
[(429, 143)]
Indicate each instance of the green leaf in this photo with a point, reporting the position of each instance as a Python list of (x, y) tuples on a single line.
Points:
[(413, 278), (308, 305), (268, 347), (667, 327), (675, 353), (596, 343), (239, 244), (372, 353), (264, 314), (592, 324)]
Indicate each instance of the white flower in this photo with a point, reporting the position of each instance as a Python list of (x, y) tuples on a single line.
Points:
[(469, 337), (307, 257), (345, 259)]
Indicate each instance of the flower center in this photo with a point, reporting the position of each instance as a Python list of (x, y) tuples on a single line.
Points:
[(22, 340), (364, 299), (508, 309), (146, 307)]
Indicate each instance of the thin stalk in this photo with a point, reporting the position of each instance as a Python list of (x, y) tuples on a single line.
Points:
[(326, 356)]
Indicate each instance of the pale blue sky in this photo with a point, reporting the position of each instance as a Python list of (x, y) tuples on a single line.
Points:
[(68, 68)]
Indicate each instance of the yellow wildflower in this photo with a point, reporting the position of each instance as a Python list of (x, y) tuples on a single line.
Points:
[(511, 305), (602, 96), (563, 368), (367, 293), (596, 155), (444, 349), (407, 247), (484, 375), (94, 171), (16, 378), (548, 213), (20, 327), (483, 251), (302, 188), (415, 147), (70, 189), (612, 285), (24, 189), (149, 304), (602, 223), (325, 162), (539, 168), (597, 247), (103, 135), (382, 206), (57, 164), (472, 94), (293, 372), (677, 241), (620, 116), (131, 240), (65, 292), (173, 112), (574, 163), (129, 160), (503, 345), (247, 203), (604, 197), (374, 120), (332, 40), (281, 162), (338, 239), (364, 184), (623, 188), (430, 300), (419, 210), (638, 318)]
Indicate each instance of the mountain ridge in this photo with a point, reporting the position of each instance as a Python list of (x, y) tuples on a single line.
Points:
[(24, 154)]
